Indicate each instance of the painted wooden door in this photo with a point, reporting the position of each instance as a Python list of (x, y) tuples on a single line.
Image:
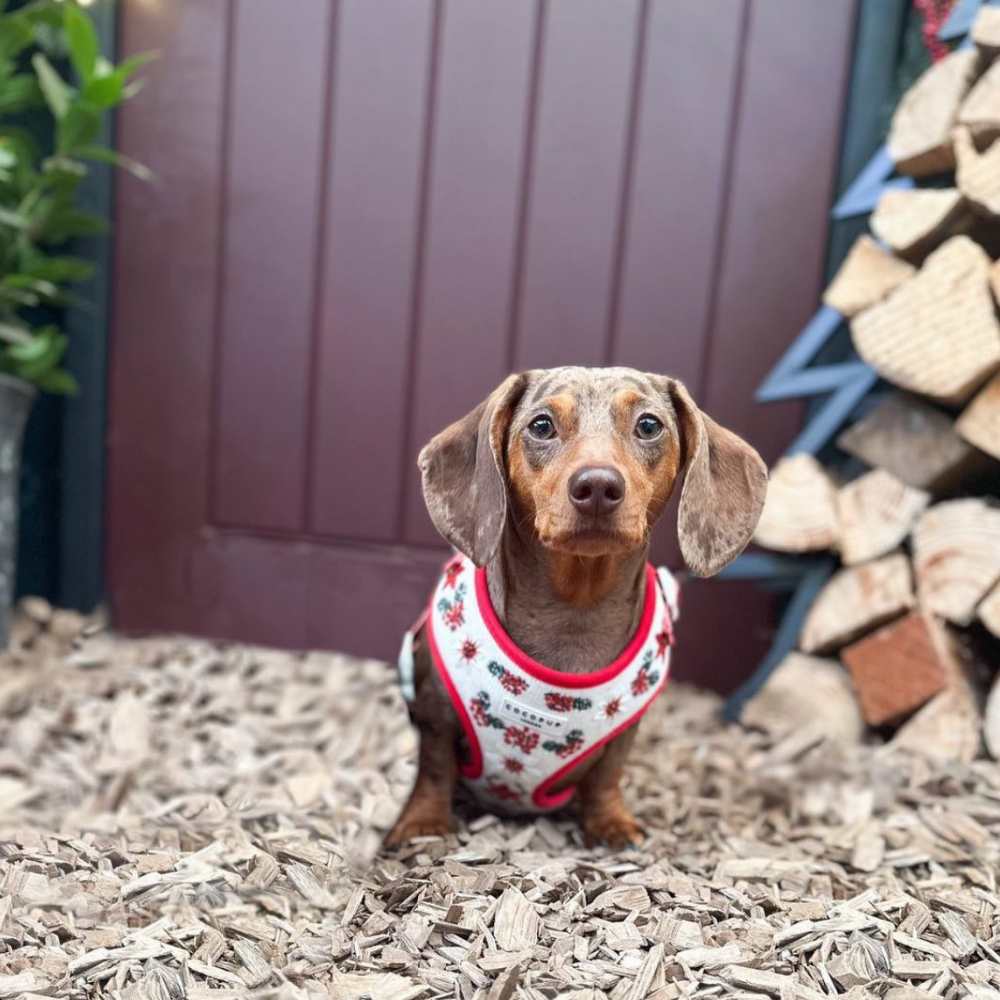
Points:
[(369, 211)]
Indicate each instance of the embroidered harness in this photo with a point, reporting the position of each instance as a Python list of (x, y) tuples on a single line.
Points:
[(528, 725)]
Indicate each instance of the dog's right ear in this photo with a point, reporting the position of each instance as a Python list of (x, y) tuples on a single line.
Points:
[(465, 477)]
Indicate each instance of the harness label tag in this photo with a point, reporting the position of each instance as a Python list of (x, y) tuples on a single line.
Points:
[(514, 711)]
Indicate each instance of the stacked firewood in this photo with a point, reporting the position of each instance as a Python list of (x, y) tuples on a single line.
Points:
[(913, 613)]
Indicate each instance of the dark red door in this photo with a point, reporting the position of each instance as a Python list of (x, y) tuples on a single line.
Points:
[(370, 210)]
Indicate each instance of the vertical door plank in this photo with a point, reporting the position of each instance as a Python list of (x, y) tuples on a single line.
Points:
[(481, 115), (384, 62), (278, 79), (783, 173), (684, 124), (575, 187), (164, 295)]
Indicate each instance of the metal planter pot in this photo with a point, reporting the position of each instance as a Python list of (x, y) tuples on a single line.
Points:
[(16, 400)]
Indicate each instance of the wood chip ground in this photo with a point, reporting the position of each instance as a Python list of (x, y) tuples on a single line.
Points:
[(186, 819)]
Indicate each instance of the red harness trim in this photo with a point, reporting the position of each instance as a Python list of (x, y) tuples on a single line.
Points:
[(555, 677)]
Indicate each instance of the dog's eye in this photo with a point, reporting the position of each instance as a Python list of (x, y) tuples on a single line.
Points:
[(542, 428), (648, 428)]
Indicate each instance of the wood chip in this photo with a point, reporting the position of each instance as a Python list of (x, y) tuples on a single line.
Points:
[(515, 924)]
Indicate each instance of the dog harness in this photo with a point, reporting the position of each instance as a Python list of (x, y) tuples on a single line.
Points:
[(528, 725)]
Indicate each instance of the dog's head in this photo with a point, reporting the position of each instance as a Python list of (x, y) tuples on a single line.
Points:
[(585, 460)]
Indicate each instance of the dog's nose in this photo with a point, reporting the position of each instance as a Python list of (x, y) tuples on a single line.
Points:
[(596, 490)]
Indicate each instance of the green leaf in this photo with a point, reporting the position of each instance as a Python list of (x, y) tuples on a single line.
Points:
[(15, 35), (80, 126), (63, 174), (58, 381), (63, 223), (33, 360), (55, 90), (19, 93), (12, 219), (104, 91), (104, 155), (57, 269), (36, 347), (82, 41), (134, 63), (12, 333)]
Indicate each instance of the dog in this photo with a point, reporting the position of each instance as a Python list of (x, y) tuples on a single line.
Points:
[(548, 491)]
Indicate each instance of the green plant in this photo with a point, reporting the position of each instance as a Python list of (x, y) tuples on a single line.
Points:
[(43, 160)]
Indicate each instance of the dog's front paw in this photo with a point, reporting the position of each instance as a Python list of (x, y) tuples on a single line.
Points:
[(409, 827), (618, 830)]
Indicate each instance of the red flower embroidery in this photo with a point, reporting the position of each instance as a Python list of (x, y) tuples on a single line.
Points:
[(455, 615), (645, 679), (565, 702), (480, 709), (522, 737), (612, 708), (558, 702), (513, 765), (469, 651), (452, 572), (665, 638), (570, 747), (508, 681), (479, 712), (453, 611), (501, 791)]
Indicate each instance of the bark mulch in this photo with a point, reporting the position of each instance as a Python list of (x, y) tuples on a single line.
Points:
[(181, 818)]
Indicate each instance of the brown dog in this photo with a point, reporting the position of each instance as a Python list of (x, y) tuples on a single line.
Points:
[(553, 484)]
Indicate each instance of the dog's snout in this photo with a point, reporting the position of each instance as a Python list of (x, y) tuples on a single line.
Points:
[(596, 490)]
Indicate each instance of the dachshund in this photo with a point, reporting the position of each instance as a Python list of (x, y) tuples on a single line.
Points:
[(546, 637)]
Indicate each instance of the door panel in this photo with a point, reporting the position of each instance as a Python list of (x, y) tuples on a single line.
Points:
[(371, 210), (482, 113), (586, 89), (269, 250), (379, 130)]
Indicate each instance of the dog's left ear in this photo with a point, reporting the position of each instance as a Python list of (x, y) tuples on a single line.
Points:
[(464, 474), (725, 483)]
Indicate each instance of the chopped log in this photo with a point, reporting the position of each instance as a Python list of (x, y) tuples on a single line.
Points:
[(800, 513), (876, 513), (867, 276), (979, 423), (900, 667), (986, 31), (988, 611), (937, 334), (855, 601), (980, 111), (947, 728), (920, 134), (915, 222), (914, 441), (978, 174), (991, 721), (807, 693), (956, 557)]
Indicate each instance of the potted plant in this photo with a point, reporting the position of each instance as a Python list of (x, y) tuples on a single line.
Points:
[(49, 128)]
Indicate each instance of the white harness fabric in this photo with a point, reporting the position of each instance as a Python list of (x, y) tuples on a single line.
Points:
[(528, 725)]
